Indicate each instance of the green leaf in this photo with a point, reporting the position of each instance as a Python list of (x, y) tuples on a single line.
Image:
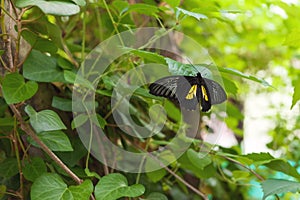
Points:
[(255, 158), (151, 56), (39, 43), (273, 163), (91, 173), (7, 121), (82, 191), (296, 94), (64, 63), (42, 68), (283, 166), (121, 6), (199, 160), (230, 86), (178, 68), (207, 172), (62, 104), (57, 7), (71, 158), (54, 32), (15, 90), (293, 38), (198, 16), (277, 186), (240, 74), (80, 2), (156, 175), (142, 8), (114, 186), (2, 191), (34, 168), (107, 93), (9, 168), (83, 106), (50, 186), (172, 111), (260, 158), (45, 120), (156, 196), (55, 140), (234, 111), (101, 120), (173, 3), (79, 120), (145, 93), (238, 175), (71, 77)]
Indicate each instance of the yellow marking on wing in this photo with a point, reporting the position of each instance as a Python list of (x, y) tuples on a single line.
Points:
[(192, 92), (204, 93)]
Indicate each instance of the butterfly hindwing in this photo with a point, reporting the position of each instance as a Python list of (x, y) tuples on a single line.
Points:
[(205, 97), (216, 92), (188, 92)]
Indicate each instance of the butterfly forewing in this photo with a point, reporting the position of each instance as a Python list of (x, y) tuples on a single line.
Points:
[(165, 87)]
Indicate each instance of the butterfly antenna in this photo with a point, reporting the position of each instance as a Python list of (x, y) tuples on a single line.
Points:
[(192, 65)]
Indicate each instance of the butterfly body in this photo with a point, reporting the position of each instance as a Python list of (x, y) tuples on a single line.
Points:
[(189, 91)]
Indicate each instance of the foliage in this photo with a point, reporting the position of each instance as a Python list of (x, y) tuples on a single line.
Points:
[(41, 154)]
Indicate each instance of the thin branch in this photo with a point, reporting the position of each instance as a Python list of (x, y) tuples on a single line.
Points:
[(113, 22), (181, 179), (18, 40), (27, 129), (9, 40), (240, 164), (7, 13), (175, 175)]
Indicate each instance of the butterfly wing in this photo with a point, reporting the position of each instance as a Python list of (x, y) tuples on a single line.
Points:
[(216, 92), (182, 89), (165, 87), (189, 91)]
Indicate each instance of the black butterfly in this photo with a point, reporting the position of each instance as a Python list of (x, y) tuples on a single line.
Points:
[(189, 91)]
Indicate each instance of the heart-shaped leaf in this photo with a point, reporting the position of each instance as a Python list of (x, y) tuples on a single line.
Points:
[(9, 167), (34, 168), (45, 120), (199, 160), (52, 7), (50, 186), (55, 140), (156, 196), (115, 186), (15, 90), (42, 68)]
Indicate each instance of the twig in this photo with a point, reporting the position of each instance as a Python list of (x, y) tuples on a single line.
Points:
[(186, 183), (240, 164), (27, 129), (176, 176), (9, 39)]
